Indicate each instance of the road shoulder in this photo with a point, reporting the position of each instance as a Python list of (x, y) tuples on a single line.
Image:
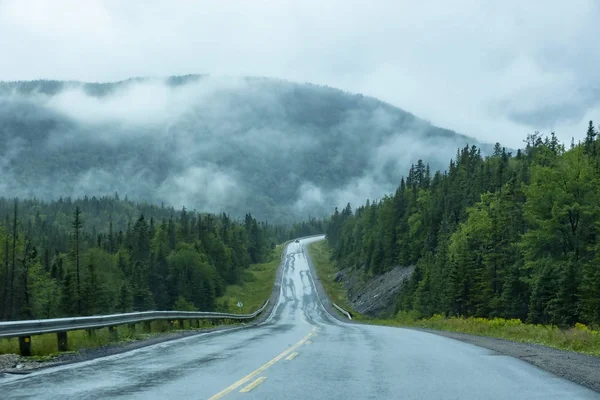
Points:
[(580, 368)]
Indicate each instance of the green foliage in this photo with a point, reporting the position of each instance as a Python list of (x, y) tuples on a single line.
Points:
[(254, 288), (502, 236), (320, 255), (183, 305), (578, 338), (44, 347), (64, 266)]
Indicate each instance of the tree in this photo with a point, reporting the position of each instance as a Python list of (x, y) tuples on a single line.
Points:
[(125, 303), (29, 257), (13, 266), (590, 140), (77, 224), (505, 236), (183, 305), (5, 292)]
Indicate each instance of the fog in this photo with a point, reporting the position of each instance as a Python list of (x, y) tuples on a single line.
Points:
[(274, 148), (489, 69)]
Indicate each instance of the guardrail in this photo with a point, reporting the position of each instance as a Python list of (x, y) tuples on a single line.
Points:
[(340, 309), (25, 329)]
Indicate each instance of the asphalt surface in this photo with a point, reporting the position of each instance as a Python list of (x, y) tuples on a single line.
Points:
[(300, 351)]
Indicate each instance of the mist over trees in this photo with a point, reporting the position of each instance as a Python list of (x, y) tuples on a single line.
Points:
[(278, 150), (508, 235)]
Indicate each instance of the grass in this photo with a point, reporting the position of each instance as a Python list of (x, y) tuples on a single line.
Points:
[(579, 338), (255, 288), (45, 347), (320, 254)]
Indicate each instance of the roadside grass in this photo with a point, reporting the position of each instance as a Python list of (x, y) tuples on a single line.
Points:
[(320, 254), (580, 338), (45, 347), (255, 287)]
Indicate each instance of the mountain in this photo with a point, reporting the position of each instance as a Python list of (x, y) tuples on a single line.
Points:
[(277, 149)]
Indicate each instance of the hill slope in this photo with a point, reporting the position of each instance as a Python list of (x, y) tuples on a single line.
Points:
[(277, 149)]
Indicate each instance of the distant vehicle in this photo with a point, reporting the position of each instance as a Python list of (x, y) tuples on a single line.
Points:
[(297, 241)]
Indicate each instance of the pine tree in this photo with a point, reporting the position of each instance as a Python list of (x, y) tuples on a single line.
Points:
[(77, 224), (7, 276), (590, 140), (12, 278)]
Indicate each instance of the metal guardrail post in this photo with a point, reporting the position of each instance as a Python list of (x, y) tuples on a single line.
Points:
[(61, 326), (113, 333), (25, 345), (61, 338)]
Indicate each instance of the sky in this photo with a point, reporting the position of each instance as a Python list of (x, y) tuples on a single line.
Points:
[(495, 70)]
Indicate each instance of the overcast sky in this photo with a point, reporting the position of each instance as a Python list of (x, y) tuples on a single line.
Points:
[(495, 70)]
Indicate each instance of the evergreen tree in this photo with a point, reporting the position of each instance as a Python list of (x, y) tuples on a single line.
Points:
[(77, 224), (504, 236)]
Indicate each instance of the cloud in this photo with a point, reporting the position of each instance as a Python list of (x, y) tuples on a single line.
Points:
[(388, 163), (493, 70), (213, 143), (151, 102), (209, 187)]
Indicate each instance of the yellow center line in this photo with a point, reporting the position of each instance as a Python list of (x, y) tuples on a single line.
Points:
[(261, 369), (291, 356), (254, 384)]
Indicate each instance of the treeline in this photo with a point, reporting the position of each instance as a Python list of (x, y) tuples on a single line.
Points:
[(104, 255), (513, 236), (310, 227)]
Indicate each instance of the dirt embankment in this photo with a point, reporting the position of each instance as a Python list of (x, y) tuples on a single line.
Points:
[(373, 296)]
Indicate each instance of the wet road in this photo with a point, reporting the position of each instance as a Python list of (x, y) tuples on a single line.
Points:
[(300, 352)]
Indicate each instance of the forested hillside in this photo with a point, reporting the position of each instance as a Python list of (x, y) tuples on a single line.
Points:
[(104, 255), (509, 235), (279, 150)]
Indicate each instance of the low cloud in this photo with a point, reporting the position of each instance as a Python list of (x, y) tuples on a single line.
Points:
[(277, 149), (205, 187)]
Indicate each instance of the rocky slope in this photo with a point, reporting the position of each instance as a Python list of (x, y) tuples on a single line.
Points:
[(373, 296)]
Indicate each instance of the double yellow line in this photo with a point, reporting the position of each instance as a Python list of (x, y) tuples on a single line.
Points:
[(261, 369)]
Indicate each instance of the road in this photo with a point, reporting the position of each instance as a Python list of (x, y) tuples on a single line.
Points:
[(300, 352)]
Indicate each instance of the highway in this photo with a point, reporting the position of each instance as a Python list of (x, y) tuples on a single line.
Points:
[(299, 352)]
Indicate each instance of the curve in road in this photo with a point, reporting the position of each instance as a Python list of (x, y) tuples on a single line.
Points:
[(300, 352)]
